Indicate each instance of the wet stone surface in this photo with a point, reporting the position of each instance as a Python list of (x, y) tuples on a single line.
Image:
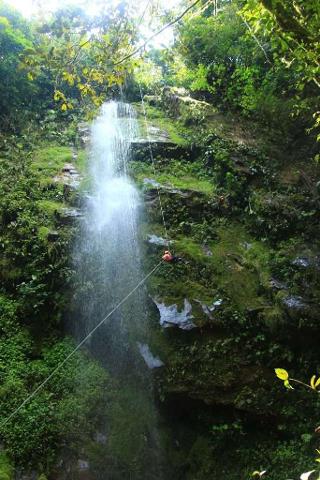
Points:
[(206, 250), (295, 303), (101, 438), (305, 262), (277, 285), (69, 215), (208, 310), (151, 360), (170, 316), (69, 176), (83, 465), (155, 240)]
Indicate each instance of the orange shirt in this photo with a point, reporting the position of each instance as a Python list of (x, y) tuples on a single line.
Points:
[(167, 257)]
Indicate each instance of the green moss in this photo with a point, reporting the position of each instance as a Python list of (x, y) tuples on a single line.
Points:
[(6, 469), (49, 160), (238, 268), (181, 175), (238, 277), (188, 247), (49, 207), (43, 233), (186, 183), (156, 117)]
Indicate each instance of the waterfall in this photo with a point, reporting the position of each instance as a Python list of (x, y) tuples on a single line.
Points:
[(107, 264), (107, 256)]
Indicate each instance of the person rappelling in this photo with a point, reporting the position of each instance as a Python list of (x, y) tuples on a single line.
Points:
[(169, 258)]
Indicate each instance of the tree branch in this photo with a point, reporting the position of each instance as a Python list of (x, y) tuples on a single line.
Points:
[(143, 46)]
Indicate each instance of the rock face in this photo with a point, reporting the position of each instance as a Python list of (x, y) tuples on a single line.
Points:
[(165, 188), (179, 102), (67, 216), (84, 133), (170, 316), (159, 241), (209, 310), (163, 148), (69, 176)]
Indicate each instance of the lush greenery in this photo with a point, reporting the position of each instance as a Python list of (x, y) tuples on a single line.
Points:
[(235, 101)]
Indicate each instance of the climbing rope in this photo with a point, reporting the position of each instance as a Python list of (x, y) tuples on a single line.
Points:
[(153, 164), (84, 340), (61, 364)]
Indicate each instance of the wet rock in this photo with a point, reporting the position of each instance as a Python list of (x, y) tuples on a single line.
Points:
[(69, 215), (247, 246), (206, 250), (161, 242), (140, 150), (151, 360), (151, 181), (26, 476), (84, 133), (158, 135), (294, 303), (101, 438), (69, 176), (209, 309), (53, 236), (165, 188), (153, 100), (83, 465), (301, 310), (303, 262), (277, 285), (170, 316)]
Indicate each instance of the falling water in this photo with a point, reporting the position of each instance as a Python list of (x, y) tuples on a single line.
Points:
[(107, 260)]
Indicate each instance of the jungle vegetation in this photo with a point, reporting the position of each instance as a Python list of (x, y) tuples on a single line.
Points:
[(257, 60)]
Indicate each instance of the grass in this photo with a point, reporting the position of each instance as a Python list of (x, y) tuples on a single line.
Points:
[(49, 160)]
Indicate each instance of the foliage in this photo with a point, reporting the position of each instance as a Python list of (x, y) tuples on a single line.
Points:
[(16, 90), (243, 60), (34, 275), (80, 54), (293, 29)]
